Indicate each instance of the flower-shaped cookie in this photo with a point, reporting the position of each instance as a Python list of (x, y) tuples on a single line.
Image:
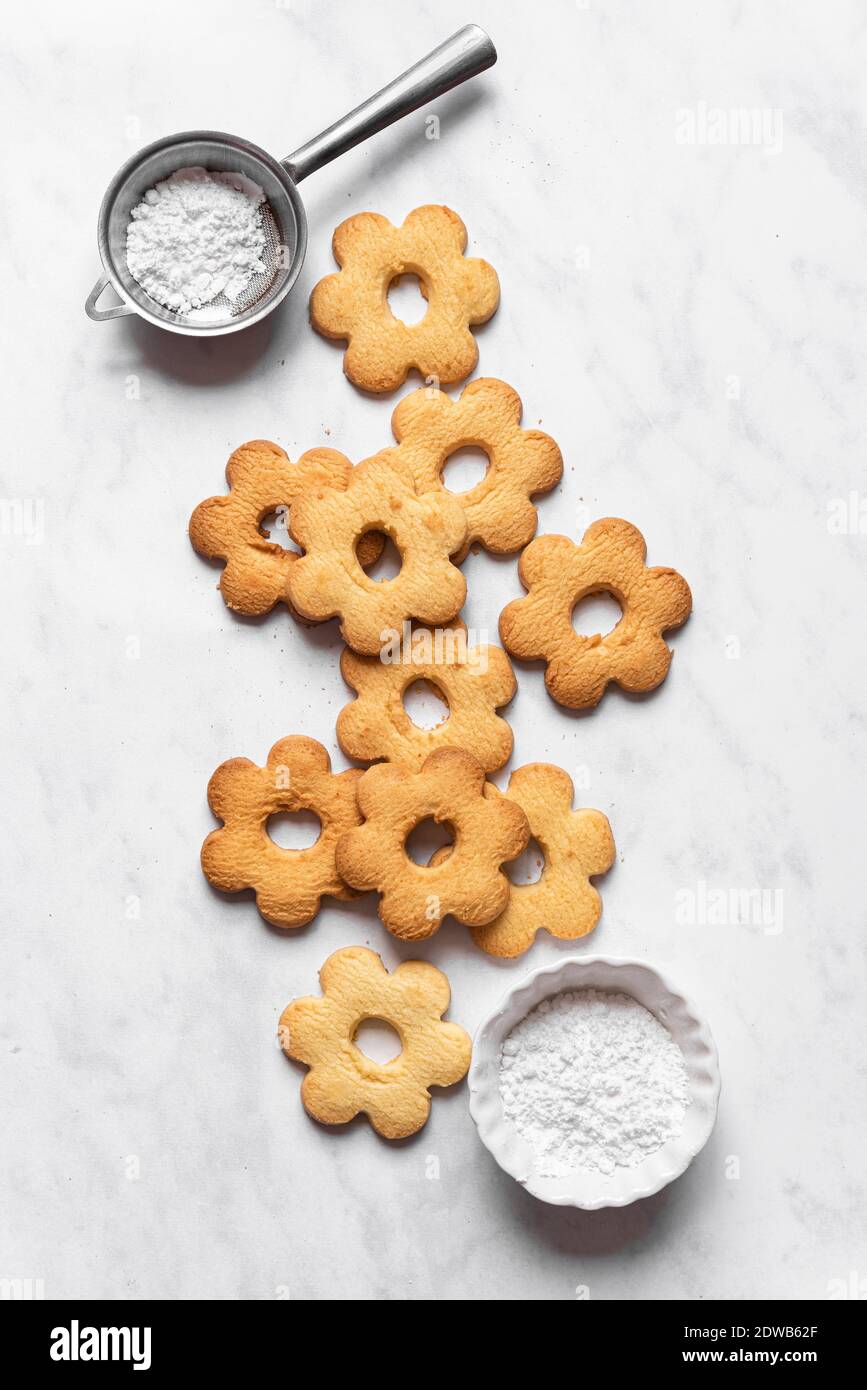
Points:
[(342, 1082), (353, 304), (558, 574), (328, 580), (430, 427), (262, 479), (288, 882), (470, 884), (575, 844), (474, 681)]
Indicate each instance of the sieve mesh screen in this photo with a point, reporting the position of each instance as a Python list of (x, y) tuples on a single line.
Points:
[(276, 257)]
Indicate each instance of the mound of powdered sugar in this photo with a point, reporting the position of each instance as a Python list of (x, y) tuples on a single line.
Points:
[(592, 1080), (195, 236)]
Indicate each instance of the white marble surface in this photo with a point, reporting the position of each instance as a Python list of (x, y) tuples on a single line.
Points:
[(687, 321)]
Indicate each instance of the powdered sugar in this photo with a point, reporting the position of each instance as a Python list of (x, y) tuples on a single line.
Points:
[(195, 236), (592, 1080)]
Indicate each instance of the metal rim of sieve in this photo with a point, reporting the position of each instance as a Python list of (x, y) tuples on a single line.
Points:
[(467, 52)]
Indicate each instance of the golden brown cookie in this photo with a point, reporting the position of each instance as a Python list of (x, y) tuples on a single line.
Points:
[(342, 1082), (353, 304), (558, 574), (328, 580), (474, 681), (288, 882), (470, 884), (575, 844), (430, 427), (262, 479)]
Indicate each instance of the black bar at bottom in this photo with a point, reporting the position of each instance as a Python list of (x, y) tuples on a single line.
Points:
[(155, 1338)]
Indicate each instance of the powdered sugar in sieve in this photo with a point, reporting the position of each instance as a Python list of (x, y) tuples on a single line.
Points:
[(203, 244)]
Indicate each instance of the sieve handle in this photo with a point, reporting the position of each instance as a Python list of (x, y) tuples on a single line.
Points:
[(466, 53), (115, 312)]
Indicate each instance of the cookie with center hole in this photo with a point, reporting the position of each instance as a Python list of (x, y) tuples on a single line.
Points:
[(263, 480), (342, 1081), (558, 574), (429, 427), (470, 885), (328, 580), (475, 681), (576, 845), (352, 305), (289, 884)]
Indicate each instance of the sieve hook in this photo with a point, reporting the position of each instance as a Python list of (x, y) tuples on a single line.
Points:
[(115, 312)]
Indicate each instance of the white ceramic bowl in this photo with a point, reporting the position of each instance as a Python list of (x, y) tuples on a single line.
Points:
[(585, 1187)]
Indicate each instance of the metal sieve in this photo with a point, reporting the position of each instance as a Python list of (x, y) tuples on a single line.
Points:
[(466, 53)]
